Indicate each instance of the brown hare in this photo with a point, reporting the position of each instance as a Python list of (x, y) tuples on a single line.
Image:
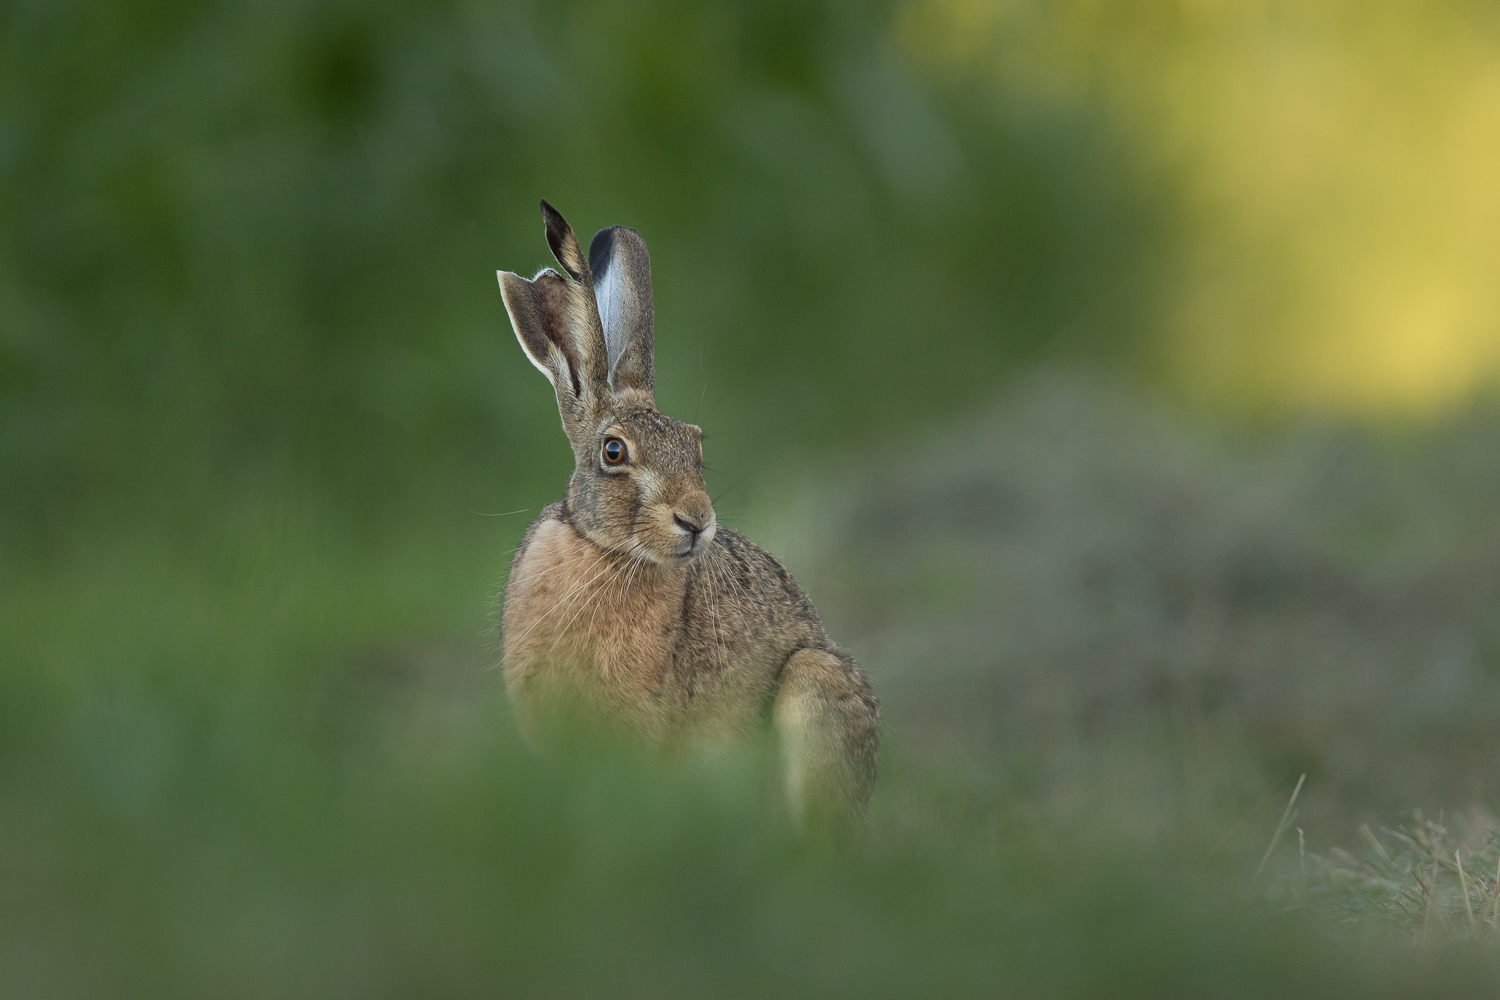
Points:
[(628, 599)]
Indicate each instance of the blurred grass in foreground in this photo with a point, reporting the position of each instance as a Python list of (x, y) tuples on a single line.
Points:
[(272, 760)]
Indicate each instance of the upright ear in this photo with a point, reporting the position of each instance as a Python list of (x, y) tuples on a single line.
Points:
[(622, 285), (557, 323)]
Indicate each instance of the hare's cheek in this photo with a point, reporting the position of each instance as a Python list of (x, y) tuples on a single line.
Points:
[(647, 487), (621, 505)]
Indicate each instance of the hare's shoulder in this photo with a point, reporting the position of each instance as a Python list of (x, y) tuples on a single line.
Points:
[(553, 513), (762, 577), (753, 563), (552, 558)]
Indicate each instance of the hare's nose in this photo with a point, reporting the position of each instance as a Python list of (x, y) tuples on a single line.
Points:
[(693, 529)]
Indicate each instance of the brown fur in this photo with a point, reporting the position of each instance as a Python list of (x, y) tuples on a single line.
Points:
[(627, 600)]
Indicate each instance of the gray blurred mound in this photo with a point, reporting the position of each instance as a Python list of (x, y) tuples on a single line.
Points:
[(1078, 561)]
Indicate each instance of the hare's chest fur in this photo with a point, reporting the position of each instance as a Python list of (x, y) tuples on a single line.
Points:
[(589, 625)]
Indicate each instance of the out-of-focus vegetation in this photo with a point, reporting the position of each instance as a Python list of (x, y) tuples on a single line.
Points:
[(1418, 878), (1332, 167), (258, 398), (252, 248), (1077, 560)]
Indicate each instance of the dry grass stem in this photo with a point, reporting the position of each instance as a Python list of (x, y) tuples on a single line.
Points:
[(1364, 828), (1286, 819), (1489, 908), (1464, 886)]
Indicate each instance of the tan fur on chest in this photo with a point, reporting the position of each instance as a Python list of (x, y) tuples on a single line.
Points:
[(585, 624)]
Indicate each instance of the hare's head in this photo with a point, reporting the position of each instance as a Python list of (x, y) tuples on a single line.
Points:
[(637, 484)]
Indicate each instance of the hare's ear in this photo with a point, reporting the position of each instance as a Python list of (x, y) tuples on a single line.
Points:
[(622, 286), (557, 323)]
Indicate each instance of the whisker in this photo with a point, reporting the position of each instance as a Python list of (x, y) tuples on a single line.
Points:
[(713, 610), (600, 603), (598, 598), (639, 561), (726, 491), (569, 594), (548, 570), (730, 575), (596, 595)]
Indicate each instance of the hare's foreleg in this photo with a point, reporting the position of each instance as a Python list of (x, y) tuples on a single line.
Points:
[(827, 723)]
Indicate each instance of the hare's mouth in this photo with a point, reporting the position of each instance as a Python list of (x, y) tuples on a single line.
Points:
[(689, 549), (678, 552)]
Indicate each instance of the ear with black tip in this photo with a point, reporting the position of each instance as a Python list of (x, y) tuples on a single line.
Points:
[(564, 244), (622, 287), (557, 323)]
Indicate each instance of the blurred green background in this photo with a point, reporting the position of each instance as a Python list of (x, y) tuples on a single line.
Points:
[(1117, 379)]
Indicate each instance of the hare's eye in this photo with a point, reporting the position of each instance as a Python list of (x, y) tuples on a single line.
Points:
[(614, 451)]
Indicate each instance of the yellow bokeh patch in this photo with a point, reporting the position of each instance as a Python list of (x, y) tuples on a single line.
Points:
[(1338, 170)]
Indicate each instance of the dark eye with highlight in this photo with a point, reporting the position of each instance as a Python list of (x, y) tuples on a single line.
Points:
[(614, 452)]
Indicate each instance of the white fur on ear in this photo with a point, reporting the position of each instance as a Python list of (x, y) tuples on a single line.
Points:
[(611, 292), (621, 269)]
